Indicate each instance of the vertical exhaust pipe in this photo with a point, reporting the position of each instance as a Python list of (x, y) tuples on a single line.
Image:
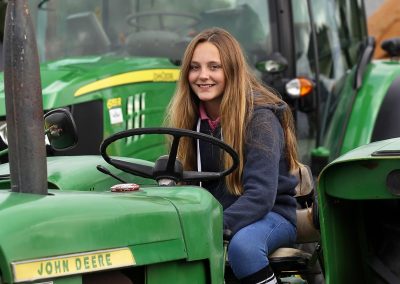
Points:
[(24, 106)]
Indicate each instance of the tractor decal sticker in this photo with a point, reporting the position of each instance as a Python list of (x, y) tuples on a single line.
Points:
[(115, 110), (115, 102), (116, 115), (57, 266), (154, 75)]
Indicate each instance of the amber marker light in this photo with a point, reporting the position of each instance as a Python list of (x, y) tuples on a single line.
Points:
[(299, 87)]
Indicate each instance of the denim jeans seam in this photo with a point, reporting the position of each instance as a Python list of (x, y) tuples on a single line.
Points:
[(269, 235)]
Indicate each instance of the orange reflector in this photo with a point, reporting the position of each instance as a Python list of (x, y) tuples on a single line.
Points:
[(299, 87), (306, 86)]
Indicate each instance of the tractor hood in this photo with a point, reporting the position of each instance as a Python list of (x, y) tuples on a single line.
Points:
[(367, 172), (75, 80), (117, 229)]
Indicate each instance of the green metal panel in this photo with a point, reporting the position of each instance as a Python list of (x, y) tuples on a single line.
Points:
[(152, 226), (377, 81), (61, 79), (69, 280), (178, 273), (340, 238), (205, 238), (363, 113), (349, 180), (80, 173), (349, 189)]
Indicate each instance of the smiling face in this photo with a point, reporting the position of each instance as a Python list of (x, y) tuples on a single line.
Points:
[(206, 77)]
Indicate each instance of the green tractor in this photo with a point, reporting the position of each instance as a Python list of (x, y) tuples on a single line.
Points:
[(64, 221)]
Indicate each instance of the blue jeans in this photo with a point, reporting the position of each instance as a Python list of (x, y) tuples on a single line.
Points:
[(249, 248)]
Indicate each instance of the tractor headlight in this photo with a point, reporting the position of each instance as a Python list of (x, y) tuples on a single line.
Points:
[(299, 87)]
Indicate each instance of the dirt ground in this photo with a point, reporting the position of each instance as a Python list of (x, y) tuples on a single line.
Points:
[(384, 24)]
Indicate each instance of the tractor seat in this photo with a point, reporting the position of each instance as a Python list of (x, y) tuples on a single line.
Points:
[(293, 259), (286, 260), (289, 259)]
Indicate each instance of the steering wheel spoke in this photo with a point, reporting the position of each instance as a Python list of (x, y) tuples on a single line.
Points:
[(173, 152), (135, 169), (192, 176)]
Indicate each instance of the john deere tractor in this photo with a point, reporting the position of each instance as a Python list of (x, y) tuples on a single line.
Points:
[(113, 65)]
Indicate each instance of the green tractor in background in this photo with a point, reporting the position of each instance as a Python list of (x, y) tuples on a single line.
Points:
[(114, 66)]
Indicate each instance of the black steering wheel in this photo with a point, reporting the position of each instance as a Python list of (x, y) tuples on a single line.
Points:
[(131, 19), (168, 167)]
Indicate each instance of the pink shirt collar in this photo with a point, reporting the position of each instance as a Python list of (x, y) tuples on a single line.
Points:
[(203, 116)]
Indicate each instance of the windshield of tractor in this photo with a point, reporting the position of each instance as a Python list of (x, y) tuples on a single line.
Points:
[(159, 28), (340, 29)]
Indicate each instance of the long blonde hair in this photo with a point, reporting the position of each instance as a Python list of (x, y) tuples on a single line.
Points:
[(238, 102)]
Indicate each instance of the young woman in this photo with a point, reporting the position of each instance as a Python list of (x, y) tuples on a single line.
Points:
[(217, 94)]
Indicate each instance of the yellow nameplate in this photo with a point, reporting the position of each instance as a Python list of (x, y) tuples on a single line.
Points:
[(115, 102), (57, 266)]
